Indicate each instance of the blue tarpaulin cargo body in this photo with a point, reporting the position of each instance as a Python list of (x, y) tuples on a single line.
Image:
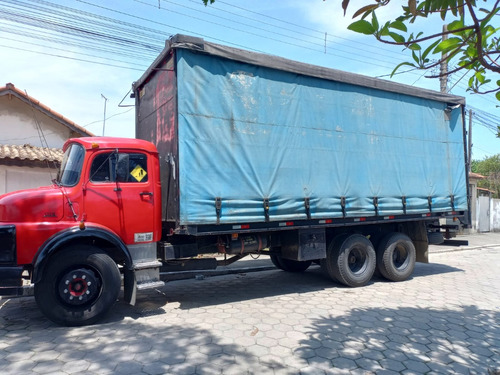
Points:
[(256, 141)]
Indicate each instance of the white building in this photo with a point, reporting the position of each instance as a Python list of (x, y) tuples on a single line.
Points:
[(31, 137)]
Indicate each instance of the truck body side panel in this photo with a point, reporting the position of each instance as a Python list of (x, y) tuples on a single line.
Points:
[(247, 134), (156, 103)]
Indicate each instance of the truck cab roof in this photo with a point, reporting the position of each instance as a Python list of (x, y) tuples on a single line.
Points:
[(112, 143)]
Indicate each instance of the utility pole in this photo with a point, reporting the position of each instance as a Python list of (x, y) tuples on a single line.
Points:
[(443, 73), (104, 119)]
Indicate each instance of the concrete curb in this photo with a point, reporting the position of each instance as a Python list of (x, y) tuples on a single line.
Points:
[(464, 248)]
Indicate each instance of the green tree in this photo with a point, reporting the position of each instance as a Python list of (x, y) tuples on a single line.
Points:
[(490, 168), (471, 36)]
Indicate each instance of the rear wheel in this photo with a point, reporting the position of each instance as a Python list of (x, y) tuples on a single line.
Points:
[(78, 287), (276, 261), (435, 238), (295, 265), (396, 257), (324, 269), (351, 260)]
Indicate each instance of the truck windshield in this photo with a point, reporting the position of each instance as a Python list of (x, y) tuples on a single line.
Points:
[(71, 166)]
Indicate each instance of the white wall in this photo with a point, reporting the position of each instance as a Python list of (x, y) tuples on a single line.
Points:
[(473, 205), (14, 178), (18, 125), (495, 215)]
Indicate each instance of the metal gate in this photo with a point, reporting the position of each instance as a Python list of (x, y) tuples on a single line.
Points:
[(483, 208)]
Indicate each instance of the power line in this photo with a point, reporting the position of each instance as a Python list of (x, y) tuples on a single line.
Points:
[(104, 32), (134, 41), (80, 53), (109, 117), (320, 39), (320, 33), (346, 55), (164, 24), (72, 58), (255, 19), (269, 17), (75, 27)]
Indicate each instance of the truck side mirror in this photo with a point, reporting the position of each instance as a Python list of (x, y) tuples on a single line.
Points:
[(122, 168)]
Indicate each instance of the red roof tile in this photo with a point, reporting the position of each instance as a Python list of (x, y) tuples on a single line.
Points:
[(476, 175), (28, 152)]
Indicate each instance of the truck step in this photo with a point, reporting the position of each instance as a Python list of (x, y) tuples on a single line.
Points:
[(145, 265), (150, 285)]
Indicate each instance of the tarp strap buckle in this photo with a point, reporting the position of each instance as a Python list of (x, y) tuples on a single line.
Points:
[(342, 204), (429, 201), (307, 205), (266, 208), (403, 199), (218, 206), (375, 204)]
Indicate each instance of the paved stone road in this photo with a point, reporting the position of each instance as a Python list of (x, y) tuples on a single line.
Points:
[(446, 319)]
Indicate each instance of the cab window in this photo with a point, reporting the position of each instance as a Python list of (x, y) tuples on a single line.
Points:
[(71, 166), (119, 167)]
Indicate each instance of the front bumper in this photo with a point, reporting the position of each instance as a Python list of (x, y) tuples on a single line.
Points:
[(8, 250), (11, 275), (11, 282)]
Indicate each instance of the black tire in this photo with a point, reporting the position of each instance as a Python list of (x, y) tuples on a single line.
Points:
[(396, 257), (289, 265), (324, 269), (79, 286), (351, 260), (435, 238), (276, 261), (295, 265)]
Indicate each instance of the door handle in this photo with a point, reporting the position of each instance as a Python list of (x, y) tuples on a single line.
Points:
[(148, 193)]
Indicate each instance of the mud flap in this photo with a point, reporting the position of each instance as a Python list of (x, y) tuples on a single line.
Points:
[(417, 232), (130, 287)]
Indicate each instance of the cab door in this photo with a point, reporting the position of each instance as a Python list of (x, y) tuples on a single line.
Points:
[(120, 196)]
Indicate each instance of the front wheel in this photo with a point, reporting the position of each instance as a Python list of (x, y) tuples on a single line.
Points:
[(79, 286)]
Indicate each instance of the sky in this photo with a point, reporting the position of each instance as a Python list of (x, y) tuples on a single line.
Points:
[(80, 57)]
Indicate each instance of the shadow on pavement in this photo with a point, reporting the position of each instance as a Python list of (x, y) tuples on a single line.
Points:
[(213, 291), (428, 269), (124, 343), (227, 289), (463, 341), (31, 344)]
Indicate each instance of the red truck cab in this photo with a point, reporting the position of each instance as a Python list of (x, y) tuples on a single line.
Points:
[(70, 242)]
